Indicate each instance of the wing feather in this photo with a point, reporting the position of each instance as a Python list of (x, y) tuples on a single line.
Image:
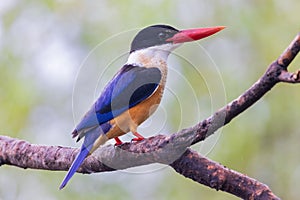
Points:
[(130, 86)]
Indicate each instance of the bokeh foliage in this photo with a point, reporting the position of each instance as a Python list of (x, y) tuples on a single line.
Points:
[(43, 45)]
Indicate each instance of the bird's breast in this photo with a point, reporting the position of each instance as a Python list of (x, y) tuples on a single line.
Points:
[(130, 119)]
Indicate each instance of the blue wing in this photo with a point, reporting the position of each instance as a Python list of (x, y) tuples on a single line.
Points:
[(131, 85)]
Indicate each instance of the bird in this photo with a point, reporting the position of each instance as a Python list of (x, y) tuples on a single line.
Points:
[(135, 91)]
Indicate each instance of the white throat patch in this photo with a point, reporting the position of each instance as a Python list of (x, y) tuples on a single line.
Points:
[(154, 55)]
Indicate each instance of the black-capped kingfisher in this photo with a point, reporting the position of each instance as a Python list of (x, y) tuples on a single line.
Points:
[(134, 92)]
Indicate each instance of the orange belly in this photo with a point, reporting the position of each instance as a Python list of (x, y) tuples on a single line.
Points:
[(130, 119)]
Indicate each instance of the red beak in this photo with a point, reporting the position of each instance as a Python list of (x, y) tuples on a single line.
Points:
[(194, 34)]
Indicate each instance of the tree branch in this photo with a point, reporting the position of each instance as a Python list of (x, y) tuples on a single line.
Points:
[(204, 171), (152, 150), (172, 150), (276, 72)]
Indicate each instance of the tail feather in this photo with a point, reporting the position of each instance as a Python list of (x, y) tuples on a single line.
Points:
[(90, 137), (75, 165), (74, 133), (94, 137), (92, 140)]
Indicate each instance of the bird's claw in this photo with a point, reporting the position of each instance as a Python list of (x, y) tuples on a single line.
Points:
[(118, 142), (137, 139)]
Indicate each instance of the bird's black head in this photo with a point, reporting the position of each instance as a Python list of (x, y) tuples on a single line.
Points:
[(153, 36)]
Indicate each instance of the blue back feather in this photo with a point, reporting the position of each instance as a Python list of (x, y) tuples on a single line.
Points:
[(130, 86)]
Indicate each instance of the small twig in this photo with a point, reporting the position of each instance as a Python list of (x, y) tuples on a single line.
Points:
[(288, 77), (290, 53)]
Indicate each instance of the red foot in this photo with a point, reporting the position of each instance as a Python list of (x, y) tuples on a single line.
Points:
[(118, 141), (138, 137)]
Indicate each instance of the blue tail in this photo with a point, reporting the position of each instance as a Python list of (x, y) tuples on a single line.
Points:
[(86, 147), (75, 165)]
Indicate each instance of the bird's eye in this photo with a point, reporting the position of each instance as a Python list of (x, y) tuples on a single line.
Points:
[(162, 36)]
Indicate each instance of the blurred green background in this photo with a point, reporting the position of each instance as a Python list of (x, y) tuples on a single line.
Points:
[(56, 57)]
